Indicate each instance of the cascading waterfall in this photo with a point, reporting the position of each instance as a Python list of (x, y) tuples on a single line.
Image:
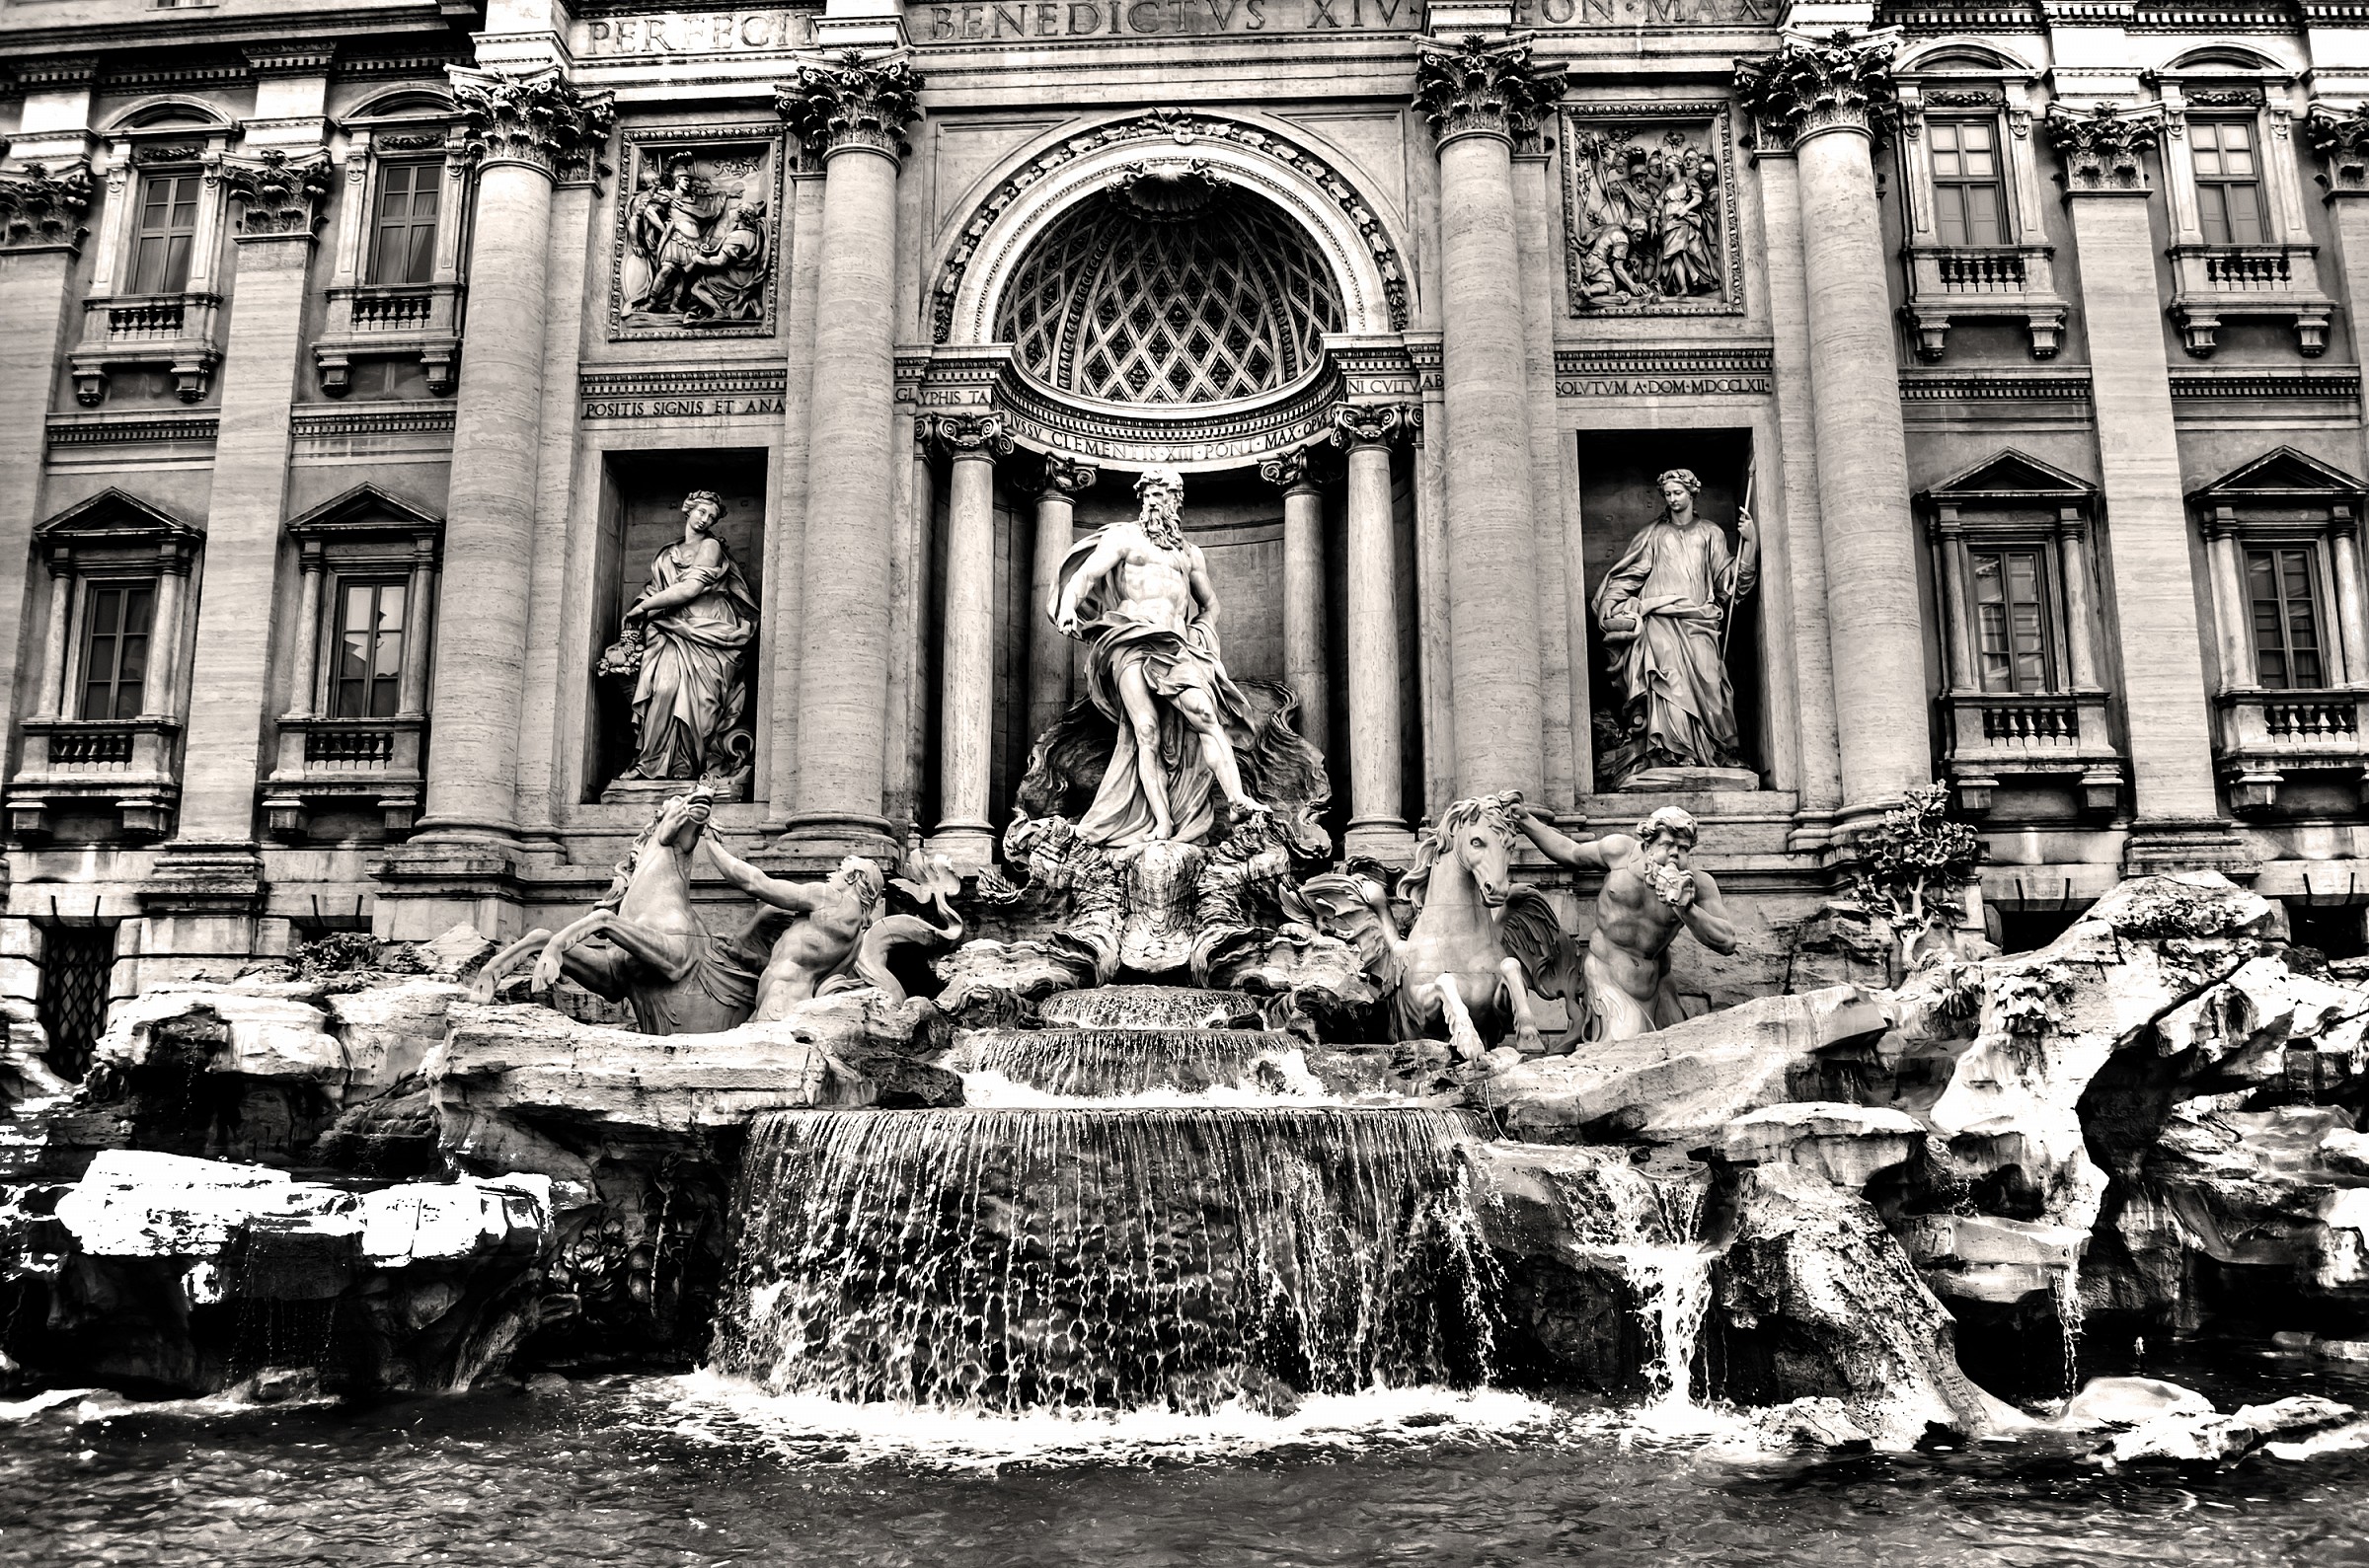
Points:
[(1115, 1062), (1653, 1227), (1114, 1259)]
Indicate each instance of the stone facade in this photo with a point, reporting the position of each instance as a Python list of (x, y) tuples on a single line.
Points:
[(357, 362)]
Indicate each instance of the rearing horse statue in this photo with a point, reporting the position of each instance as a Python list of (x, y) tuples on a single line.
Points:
[(644, 944), (1480, 943)]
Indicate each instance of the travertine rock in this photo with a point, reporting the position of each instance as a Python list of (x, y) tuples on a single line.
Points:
[(1681, 1084), (1848, 1144), (1813, 1297)]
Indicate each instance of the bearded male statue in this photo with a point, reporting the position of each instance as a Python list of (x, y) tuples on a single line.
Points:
[(1139, 595)]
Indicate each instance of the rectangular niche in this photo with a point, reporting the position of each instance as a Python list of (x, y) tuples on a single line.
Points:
[(641, 513), (1649, 204), (1618, 498), (696, 252)]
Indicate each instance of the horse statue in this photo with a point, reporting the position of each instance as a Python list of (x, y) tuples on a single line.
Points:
[(1479, 946), (644, 943)]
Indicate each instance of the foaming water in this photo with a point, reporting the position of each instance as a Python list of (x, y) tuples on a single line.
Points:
[(1108, 1259), (1172, 1007), (710, 1407)]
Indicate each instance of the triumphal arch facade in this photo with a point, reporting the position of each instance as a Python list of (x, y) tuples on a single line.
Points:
[(436, 435)]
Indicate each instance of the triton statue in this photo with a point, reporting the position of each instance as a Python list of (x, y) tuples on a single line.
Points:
[(1650, 895)]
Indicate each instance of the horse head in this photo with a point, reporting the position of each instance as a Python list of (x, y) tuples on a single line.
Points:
[(1477, 836), (647, 885)]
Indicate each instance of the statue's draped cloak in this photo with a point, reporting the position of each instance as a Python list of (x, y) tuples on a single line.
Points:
[(691, 696), (1171, 662), (1670, 665)]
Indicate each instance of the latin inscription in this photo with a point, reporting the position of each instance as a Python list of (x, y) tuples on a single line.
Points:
[(1085, 18), (1661, 386), (678, 407), (695, 33)]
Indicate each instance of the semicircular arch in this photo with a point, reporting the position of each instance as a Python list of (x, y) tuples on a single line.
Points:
[(1284, 167)]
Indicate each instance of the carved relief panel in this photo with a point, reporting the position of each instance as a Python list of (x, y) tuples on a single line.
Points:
[(698, 232), (1649, 209)]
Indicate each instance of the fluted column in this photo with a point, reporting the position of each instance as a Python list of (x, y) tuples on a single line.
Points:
[(1830, 101), (2347, 543), (279, 198), (1479, 97), (1049, 655), (1377, 825), (2149, 563), (525, 128), (37, 249), (850, 111), (1293, 473), (966, 653)]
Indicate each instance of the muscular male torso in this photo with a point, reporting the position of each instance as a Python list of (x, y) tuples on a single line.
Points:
[(810, 951), (1154, 585), (1635, 926)]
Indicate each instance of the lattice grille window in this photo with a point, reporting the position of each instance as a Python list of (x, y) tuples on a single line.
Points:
[(1116, 304)]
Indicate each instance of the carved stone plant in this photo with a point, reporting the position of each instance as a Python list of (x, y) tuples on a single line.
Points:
[(2102, 147), (2343, 138), (858, 102), (37, 207), (542, 119), (281, 196), (1808, 87), (1477, 86)]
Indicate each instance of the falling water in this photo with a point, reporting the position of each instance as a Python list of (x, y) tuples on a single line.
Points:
[(1003, 1260), (1653, 1228), (1168, 1007), (1112, 1064)]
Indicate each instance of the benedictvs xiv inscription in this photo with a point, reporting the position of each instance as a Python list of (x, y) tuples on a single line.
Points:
[(1081, 19)]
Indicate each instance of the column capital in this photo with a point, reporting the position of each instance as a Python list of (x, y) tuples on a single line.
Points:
[(281, 196), (1482, 88), (2101, 146), (41, 210), (2340, 136), (1291, 471), (1841, 81), (542, 119), (851, 101), (1356, 424), (966, 435), (1068, 476)]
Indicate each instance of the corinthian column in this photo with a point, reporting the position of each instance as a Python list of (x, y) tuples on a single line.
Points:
[(1303, 589), (1829, 100), (966, 657), (1376, 758), (2176, 821), (523, 128), (1479, 97), (851, 112), (1049, 655)]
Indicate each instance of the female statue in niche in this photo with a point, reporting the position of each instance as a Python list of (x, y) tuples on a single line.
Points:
[(1664, 611), (691, 625)]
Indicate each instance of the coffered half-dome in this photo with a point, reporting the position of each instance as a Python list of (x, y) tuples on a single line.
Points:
[(1171, 286)]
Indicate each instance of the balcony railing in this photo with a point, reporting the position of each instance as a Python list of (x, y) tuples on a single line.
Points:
[(1979, 282), (380, 321), (1997, 738), (2267, 739), (124, 766), (179, 330), (2214, 283), (374, 764)]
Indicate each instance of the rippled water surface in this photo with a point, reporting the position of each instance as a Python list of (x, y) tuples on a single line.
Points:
[(659, 1470)]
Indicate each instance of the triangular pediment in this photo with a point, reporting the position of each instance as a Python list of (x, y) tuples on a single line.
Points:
[(2009, 474), (114, 514), (2280, 474), (365, 508)]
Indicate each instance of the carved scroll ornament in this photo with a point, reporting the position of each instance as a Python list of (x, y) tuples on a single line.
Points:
[(2101, 146), (543, 120), (1843, 83), (854, 101), (1478, 88), (41, 208)]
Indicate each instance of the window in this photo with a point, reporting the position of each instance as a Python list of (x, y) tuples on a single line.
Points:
[(2011, 620), (2229, 185), (166, 227), (77, 962), (2282, 585), (1969, 207), (368, 681), (115, 647), (402, 243)]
